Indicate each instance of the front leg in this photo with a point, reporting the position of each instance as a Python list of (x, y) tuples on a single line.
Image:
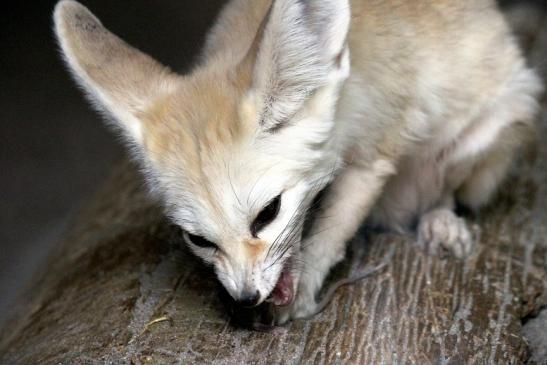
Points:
[(344, 208)]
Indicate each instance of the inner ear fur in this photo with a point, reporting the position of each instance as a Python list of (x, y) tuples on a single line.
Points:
[(297, 47)]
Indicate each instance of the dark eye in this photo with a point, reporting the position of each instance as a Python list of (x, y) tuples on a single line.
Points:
[(266, 216), (201, 242)]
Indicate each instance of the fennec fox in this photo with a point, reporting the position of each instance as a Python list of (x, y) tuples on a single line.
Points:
[(396, 109)]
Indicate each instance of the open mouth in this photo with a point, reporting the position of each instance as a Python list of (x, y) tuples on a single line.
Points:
[(283, 292)]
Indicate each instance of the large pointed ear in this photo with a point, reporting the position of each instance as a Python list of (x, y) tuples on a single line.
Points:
[(301, 46), (118, 78)]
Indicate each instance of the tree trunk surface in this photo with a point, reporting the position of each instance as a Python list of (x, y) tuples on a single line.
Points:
[(120, 289)]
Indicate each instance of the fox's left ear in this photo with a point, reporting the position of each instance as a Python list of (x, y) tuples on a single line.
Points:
[(118, 78), (299, 48)]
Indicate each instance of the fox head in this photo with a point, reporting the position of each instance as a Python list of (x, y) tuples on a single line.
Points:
[(237, 149)]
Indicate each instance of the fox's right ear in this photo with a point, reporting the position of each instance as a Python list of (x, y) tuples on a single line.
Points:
[(118, 78), (299, 47)]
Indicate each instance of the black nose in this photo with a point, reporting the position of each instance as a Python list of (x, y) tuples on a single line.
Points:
[(249, 299)]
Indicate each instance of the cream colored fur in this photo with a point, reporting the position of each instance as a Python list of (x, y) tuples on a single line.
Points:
[(404, 108)]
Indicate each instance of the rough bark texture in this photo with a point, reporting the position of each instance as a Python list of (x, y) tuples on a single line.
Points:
[(120, 290)]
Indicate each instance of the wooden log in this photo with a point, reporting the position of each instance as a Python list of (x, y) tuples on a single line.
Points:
[(120, 289)]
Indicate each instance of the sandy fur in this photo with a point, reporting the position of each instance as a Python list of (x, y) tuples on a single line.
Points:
[(403, 106)]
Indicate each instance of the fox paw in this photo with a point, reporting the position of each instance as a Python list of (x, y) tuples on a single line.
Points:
[(302, 307), (442, 229)]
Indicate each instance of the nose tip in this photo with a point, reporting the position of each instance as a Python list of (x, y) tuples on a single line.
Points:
[(249, 299)]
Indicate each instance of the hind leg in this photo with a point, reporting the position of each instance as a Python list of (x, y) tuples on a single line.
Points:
[(492, 142), (490, 170), (440, 228)]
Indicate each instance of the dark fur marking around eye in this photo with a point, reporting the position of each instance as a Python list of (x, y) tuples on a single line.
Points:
[(266, 215), (201, 242)]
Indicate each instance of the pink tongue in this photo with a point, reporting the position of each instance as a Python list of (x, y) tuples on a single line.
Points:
[(283, 291)]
